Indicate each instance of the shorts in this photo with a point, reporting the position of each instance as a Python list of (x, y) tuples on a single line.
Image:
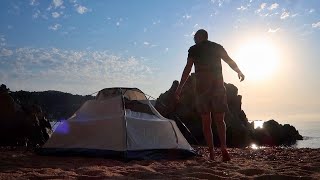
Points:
[(210, 94)]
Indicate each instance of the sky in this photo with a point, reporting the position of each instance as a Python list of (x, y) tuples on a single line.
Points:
[(82, 46)]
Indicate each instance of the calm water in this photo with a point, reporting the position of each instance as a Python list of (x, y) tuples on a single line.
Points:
[(310, 130)]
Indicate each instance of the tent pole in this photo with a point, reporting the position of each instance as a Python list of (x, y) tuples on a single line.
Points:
[(125, 124)]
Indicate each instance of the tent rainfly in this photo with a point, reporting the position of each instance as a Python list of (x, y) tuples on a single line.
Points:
[(118, 123)]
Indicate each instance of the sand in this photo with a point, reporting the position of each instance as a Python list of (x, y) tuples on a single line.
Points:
[(266, 163)]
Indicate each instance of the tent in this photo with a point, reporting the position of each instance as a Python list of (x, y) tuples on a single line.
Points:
[(119, 122)]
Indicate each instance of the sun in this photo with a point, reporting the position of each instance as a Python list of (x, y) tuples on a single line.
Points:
[(258, 58), (258, 124)]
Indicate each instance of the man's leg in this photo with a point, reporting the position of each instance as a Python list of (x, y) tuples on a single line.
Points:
[(207, 132), (221, 127)]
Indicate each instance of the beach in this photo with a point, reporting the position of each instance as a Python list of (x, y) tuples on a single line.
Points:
[(246, 163)]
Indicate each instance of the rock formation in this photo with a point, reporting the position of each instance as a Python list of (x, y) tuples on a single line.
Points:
[(21, 125), (240, 132), (274, 133)]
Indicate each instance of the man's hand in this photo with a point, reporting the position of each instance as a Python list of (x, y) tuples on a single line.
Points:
[(241, 76)]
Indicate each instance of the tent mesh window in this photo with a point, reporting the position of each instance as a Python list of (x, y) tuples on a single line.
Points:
[(136, 101)]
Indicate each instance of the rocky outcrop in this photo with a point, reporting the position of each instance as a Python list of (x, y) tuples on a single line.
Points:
[(55, 105), (21, 125), (238, 128), (274, 133), (240, 132)]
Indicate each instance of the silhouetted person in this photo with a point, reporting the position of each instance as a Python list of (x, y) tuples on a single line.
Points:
[(210, 90)]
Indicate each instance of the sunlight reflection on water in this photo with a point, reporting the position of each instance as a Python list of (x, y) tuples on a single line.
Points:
[(256, 147)]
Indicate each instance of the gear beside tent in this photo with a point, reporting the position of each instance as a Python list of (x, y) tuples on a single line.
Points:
[(119, 123)]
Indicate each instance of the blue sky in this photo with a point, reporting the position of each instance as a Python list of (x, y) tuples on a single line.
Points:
[(80, 47)]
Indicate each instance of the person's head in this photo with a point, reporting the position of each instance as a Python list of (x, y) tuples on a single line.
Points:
[(200, 36)]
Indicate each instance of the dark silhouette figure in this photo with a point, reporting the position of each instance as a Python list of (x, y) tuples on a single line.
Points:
[(210, 94)]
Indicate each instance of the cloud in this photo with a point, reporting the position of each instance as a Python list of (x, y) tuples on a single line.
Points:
[(219, 2), (187, 16), (74, 71), (113, 20), (156, 22), (55, 14), (316, 25), (57, 3), (190, 34), (242, 8), (2, 40), (5, 52), (273, 30), (15, 10), (55, 27), (273, 6), (36, 14), (285, 15), (311, 11), (262, 7), (148, 44), (34, 2), (81, 9)]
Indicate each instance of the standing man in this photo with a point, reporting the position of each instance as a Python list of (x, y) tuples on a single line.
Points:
[(210, 90)]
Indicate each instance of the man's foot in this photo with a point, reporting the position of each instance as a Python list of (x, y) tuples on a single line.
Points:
[(225, 155), (211, 155)]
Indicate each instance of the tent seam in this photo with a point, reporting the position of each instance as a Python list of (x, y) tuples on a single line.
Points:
[(175, 134)]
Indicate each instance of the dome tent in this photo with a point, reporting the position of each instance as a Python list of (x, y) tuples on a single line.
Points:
[(119, 122)]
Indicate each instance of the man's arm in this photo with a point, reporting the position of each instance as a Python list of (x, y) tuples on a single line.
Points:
[(185, 75), (232, 64)]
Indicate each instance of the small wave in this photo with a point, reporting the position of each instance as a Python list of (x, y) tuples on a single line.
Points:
[(309, 138)]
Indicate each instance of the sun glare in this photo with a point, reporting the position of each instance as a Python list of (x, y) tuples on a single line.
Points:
[(254, 146), (257, 58), (258, 124)]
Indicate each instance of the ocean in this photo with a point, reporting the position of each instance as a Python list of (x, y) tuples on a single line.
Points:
[(310, 130)]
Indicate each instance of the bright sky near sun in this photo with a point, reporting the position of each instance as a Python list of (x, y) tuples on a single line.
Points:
[(82, 46)]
